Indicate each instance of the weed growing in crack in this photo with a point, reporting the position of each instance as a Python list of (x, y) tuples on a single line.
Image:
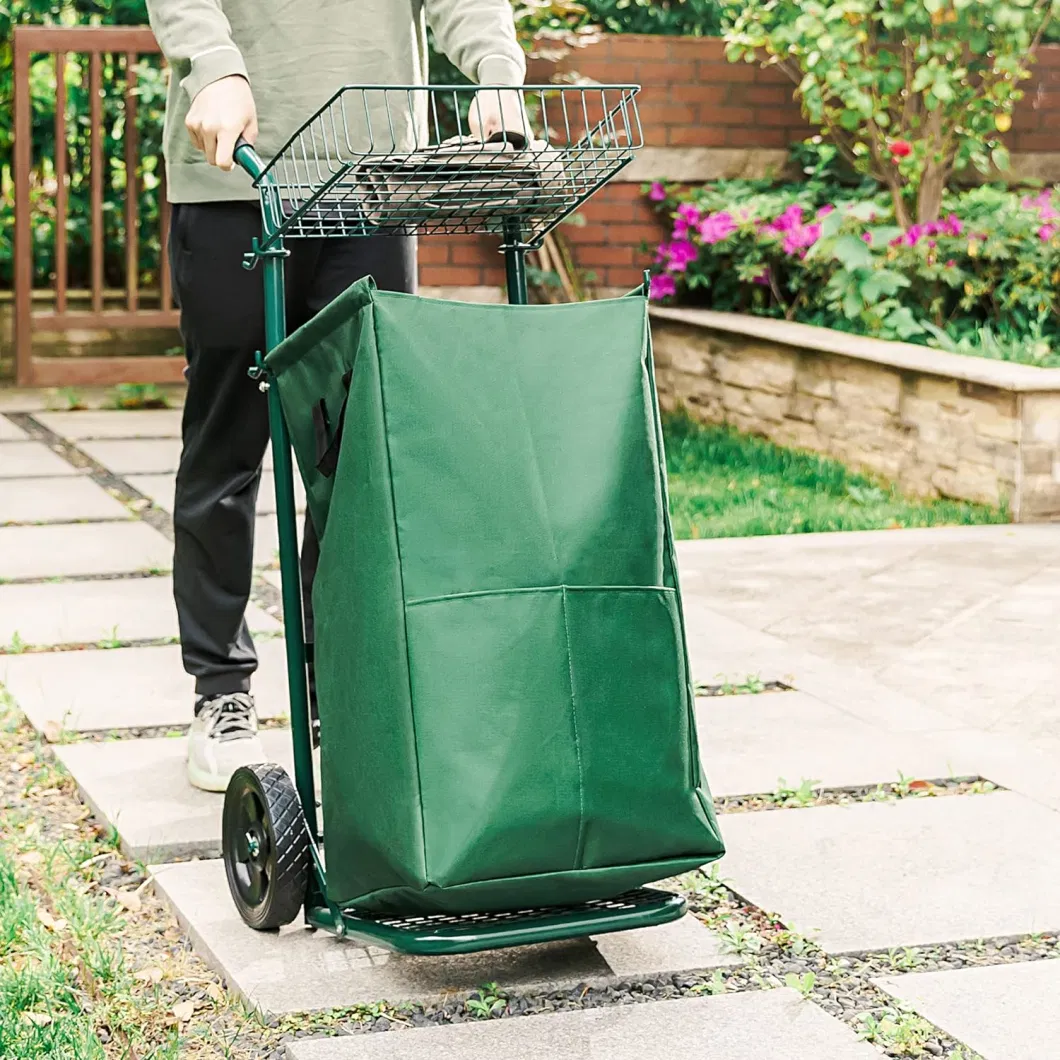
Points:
[(486, 1002), (110, 640), (804, 983), (804, 795), (905, 959), (716, 984), (897, 1031), (743, 941)]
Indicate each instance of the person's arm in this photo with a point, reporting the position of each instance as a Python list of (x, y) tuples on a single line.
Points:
[(196, 39), (479, 38)]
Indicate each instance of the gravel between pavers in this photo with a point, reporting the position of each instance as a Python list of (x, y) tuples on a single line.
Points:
[(807, 795)]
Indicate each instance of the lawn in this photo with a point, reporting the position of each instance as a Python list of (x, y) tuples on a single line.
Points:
[(724, 484)]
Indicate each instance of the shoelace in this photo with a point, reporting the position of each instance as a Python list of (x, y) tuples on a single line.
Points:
[(228, 717)]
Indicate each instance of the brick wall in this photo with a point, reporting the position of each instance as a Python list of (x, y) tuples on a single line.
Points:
[(690, 98)]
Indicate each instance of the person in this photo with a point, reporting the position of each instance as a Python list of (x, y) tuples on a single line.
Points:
[(259, 69)]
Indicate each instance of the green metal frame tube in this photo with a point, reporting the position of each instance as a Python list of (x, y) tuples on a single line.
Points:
[(294, 629), (515, 263), (283, 474)]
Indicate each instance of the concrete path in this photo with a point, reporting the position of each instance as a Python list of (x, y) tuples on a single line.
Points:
[(913, 657)]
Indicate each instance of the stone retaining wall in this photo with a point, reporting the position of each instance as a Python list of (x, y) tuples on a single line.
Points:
[(937, 424)]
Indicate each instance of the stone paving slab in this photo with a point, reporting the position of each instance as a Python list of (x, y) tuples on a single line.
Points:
[(32, 460), (847, 688), (761, 1025), (913, 872), (125, 688), (141, 456), (160, 488), (749, 742), (9, 432), (113, 423), (296, 970), (720, 649), (958, 620), (1013, 633), (85, 612), (1007, 1012), (44, 500), (82, 549), (1022, 766), (140, 788)]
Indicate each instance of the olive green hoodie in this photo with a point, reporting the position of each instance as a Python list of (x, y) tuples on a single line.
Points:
[(297, 53)]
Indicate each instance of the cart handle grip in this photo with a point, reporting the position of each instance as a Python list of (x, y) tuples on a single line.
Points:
[(247, 158)]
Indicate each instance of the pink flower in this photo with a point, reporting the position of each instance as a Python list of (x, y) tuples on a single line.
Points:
[(681, 229), (689, 213), (662, 287), (800, 238), (950, 264), (789, 219), (913, 235), (1046, 232), (682, 253), (762, 277), (716, 227), (867, 237), (1043, 203), (951, 226), (824, 211), (657, 193)]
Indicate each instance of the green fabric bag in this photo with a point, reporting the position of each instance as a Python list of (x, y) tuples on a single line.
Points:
[(505, 704)]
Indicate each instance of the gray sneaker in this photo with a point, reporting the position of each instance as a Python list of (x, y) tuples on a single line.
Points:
[(223, 737)]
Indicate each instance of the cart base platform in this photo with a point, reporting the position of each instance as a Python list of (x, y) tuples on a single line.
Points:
[(442, 934)]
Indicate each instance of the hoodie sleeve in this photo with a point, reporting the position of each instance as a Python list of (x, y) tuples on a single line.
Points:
[(196, 39), (479, 38)]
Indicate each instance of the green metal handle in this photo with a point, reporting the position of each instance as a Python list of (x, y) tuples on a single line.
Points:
[(247, 158)]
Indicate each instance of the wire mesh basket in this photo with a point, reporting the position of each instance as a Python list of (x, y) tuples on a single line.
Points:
[(403, 161)]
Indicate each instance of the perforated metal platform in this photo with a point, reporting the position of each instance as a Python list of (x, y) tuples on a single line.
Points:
[(440, 934)]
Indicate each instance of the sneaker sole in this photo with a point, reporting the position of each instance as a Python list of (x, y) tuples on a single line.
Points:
[(204, 781)]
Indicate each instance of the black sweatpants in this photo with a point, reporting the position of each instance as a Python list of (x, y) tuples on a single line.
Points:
[(225, 425)]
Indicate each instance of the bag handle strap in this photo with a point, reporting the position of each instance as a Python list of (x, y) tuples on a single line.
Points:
[(328, 443)]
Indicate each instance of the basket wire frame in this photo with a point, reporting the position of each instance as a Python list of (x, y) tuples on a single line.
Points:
[(386, 160)]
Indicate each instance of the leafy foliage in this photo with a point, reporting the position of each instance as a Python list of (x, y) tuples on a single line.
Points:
[(909, 90), (983, 280), (676, 18)]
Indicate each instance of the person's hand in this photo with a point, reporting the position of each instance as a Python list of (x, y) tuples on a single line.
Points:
[(221, 113), (496, 110)]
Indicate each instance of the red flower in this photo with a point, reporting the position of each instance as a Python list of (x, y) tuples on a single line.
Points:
[(901, 149)]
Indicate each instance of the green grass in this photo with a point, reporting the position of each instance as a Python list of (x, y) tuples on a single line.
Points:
[(724, 484)]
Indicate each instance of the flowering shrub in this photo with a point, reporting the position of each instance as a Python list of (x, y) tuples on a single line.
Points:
[(982, 279), (909, 90)]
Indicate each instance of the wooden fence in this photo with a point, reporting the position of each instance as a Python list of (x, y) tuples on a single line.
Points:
[(142, 309)]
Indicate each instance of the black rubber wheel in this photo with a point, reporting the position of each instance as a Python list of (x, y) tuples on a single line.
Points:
[(265, 844)]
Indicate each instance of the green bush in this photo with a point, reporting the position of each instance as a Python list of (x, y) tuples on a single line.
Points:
[(909, 90), (674, 18), (982, 280)]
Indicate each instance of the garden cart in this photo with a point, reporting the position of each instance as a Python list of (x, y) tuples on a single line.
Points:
[(506, 719)]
